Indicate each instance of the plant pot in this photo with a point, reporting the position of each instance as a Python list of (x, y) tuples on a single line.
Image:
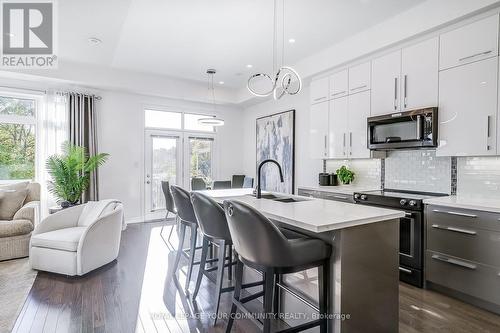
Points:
[(67, 204)]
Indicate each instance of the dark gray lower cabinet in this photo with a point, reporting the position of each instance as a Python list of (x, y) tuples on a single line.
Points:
[(463, 254), (326, 195)]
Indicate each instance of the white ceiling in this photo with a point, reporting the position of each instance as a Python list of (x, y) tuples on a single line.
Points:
[(182, 38)]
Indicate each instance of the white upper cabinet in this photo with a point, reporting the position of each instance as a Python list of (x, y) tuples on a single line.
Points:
[(318, 130), (473, 42), (359, 110), (319, 90), (468, 109), (385, 85), (419, 75), (338, 128), (339, 84), (359, 78)]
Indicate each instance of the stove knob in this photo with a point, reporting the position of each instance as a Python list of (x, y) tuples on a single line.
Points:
[(412, 203), (402, 202), (356, 196), (364, 197)]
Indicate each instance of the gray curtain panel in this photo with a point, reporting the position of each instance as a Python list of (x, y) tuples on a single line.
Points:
[(83, 132)]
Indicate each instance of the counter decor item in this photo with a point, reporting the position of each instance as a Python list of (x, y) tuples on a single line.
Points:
[(70, 173), (275, 139), (345, 175)]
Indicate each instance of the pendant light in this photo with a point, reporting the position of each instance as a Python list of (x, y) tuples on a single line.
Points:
[(211, 121), (281, 84)]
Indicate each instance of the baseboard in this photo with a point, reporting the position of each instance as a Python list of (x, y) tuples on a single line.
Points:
[(139, 219)]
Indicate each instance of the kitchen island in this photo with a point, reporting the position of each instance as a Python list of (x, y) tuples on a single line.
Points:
[(364, 265)]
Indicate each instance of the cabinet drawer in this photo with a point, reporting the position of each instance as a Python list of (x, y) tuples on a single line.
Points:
[(473, 42), (477, 245), (462, 218), (337, 197), (468, 277)]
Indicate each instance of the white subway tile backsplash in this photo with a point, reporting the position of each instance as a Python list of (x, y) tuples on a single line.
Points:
[(367, 171), (418, 170), (478, 175)]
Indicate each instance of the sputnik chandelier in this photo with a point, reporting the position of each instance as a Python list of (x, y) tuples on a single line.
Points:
[(286, 80)]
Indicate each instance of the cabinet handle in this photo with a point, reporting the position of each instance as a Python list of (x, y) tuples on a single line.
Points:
[(475, 55), (454, 213), (488, 147), (319, 98), (339, 93), (405, 89), (360, 87), (350, 143), (340, 197), (395, 93), (344, 144), (454, 261), (462, 231), (325, 152), (405, 270)]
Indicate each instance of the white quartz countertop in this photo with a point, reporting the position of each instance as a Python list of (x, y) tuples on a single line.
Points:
[(467, 202), (316, 215), (342, 189)]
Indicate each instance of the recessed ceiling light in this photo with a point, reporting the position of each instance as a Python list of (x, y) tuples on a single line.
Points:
[(291, 40), (221, 82), (94, 40), (249, 66)]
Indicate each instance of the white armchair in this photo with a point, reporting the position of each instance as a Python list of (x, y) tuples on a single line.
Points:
[(77, 240)]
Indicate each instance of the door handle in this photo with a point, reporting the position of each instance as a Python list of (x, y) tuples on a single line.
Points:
[(454, 261), (459, 230), (405, 270), (405, 90), (454, 213), (395, 93)]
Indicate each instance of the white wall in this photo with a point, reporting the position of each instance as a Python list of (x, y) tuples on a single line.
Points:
[(306, 169), (121, 134)]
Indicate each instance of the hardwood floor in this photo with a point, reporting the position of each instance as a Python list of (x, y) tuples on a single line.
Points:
[(138, 293)]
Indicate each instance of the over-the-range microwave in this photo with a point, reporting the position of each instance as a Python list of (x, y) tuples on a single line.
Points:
[(404, 130)]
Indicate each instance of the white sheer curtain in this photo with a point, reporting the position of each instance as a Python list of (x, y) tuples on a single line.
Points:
[(52, 132)]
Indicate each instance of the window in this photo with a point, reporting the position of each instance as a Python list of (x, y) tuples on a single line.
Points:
[(163, 119), (17, 138), (191, 123), (201, 150), (174, 121)]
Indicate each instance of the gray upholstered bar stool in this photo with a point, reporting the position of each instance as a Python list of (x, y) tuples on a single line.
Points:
[(262, 246), (213, 226), (170, 207), (187, 218)]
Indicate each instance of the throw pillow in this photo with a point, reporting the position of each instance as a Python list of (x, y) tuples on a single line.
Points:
[(13, 196)]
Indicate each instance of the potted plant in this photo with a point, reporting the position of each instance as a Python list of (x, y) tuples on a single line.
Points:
[(71, 171), (345, 175)]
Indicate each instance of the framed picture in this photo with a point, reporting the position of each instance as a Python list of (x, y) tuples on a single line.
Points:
[(275, 136)]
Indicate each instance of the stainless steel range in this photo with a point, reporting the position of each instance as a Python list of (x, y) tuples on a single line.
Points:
[(411, 238)]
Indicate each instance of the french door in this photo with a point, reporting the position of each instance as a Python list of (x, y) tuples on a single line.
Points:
[(175, 157)]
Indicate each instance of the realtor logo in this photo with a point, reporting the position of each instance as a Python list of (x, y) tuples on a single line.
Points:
[(28, 34)]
